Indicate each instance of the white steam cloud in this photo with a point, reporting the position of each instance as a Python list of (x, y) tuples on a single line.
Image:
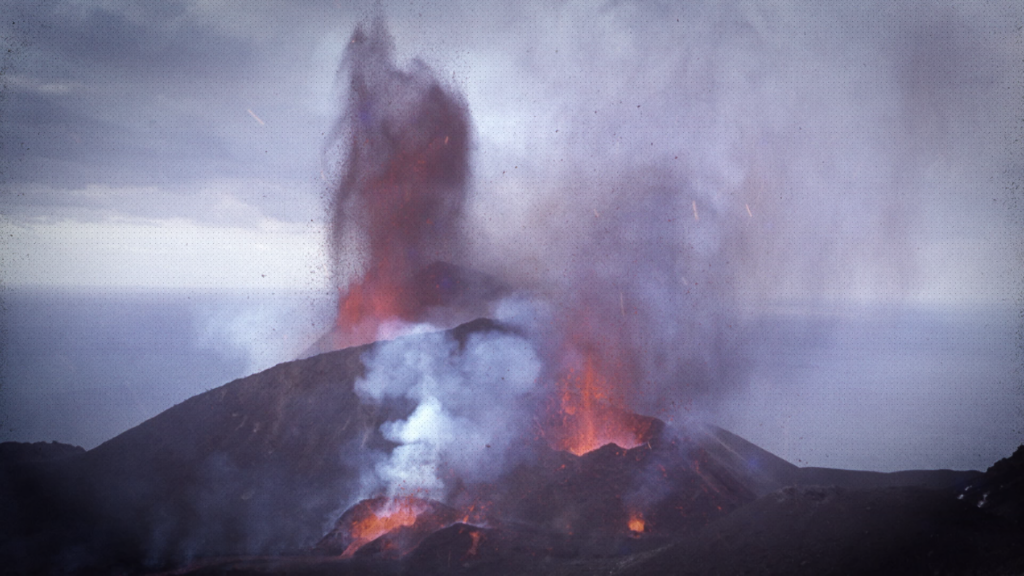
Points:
[(471, 406)]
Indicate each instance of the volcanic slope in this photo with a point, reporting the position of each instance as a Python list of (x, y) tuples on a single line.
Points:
[(258, 465), (264, 467)]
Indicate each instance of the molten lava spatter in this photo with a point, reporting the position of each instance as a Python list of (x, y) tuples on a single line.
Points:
[(589, 417), (591, 411), (365, 309), (386, 527), (402, 187)]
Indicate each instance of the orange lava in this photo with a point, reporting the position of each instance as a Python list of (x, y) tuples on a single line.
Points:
[(372, 299), (475, 545), (590, 413), (636, 522), (392, 515), (367, 305), (409, 181), (476, 513)]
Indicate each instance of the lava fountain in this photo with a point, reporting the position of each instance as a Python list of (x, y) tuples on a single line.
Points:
[(404, 142), (597, 376), (468, 405)]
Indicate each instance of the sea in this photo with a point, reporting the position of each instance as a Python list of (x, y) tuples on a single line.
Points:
[(868, 386)]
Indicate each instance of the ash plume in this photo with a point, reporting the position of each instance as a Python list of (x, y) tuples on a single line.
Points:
[(735, 159)]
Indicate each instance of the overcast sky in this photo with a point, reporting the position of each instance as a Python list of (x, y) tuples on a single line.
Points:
[(179, 144)]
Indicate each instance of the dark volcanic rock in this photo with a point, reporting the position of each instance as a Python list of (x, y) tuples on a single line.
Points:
[(459, 546), (248, 477), (760, 471), (560, 504), (863, 480), (833, 530), (674, 483), (509, 549), (1000, 489), (763, 472), (21, 452)]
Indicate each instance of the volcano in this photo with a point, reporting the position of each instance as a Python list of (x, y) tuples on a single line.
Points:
[(420, 436), (262, 475)]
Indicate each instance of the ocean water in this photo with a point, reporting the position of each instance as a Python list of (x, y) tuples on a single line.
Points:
[(869, 387), (81, 368), (884, 387)]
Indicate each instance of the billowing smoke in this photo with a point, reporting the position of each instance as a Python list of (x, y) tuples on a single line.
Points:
[(403, 145), (668, 169), (472, 402)]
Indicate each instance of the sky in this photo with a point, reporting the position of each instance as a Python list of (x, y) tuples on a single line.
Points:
[(181, 145), (846, 153)]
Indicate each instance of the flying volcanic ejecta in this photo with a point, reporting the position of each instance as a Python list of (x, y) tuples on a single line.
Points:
[(404, 144)]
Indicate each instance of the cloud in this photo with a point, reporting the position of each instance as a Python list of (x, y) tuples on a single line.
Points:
[(164, 254), (115, 93), (871, 132)]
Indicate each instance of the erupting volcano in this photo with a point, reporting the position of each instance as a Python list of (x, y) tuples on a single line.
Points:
[(470, 415), (460, 422), (399, 204)]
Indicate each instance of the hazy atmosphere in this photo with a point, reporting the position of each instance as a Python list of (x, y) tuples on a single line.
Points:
[(822, 202)]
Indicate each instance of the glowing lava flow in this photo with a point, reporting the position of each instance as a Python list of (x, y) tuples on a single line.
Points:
[(376, 523)]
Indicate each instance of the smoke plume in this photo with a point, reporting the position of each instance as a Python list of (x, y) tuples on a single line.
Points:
[(471, 400), (669, 170)]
